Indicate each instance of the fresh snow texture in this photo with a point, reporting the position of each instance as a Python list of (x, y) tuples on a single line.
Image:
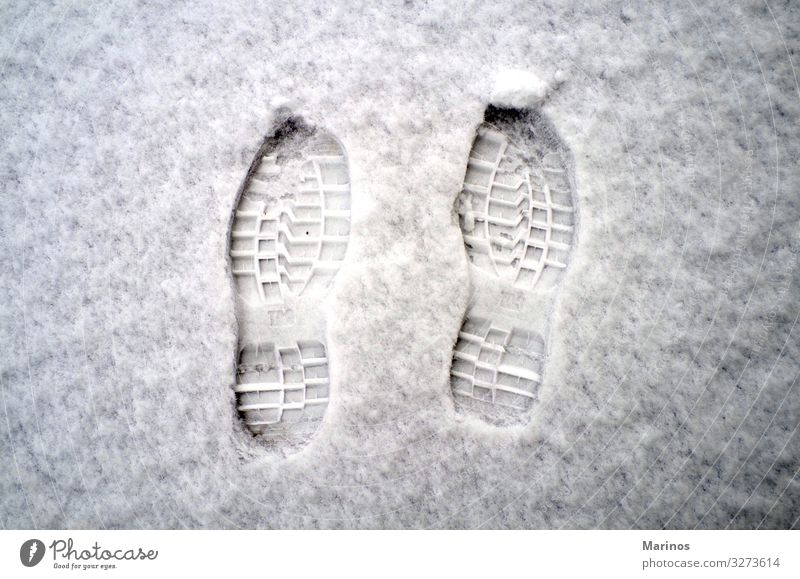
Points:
[(518, 89), (661, 363)]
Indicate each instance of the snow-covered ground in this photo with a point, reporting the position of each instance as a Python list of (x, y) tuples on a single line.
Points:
[(669, 397)]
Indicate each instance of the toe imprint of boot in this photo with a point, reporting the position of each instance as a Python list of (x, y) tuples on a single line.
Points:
[(292, 223), (516, 214)]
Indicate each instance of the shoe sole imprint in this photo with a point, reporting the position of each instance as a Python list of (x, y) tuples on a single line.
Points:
[(496, 365), (288, 238), (518, 218), (280, 386), (281, 246)]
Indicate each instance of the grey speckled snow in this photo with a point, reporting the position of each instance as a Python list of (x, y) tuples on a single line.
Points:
[(670, 396)]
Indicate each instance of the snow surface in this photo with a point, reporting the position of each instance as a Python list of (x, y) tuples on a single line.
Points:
[(670, 395), (518, 89)]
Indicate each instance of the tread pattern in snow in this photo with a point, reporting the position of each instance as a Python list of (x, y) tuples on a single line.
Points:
[(292, 223), (516, 214), (496, 365), (282, 388)]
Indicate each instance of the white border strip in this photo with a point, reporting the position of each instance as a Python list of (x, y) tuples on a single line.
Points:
[(406, 554)]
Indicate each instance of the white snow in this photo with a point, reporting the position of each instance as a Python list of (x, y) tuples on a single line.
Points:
[(518, 89), (669, 397)]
